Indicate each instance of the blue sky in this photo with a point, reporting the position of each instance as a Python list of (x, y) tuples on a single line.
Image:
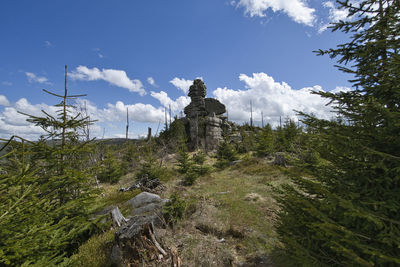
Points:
[(144, 54)]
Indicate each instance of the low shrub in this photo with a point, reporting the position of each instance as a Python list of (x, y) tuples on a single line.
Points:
[(174, 210), (199, 158), (190, 177)]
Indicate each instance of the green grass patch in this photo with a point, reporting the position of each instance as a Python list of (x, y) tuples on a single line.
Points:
[(95, 252), (232, 192)]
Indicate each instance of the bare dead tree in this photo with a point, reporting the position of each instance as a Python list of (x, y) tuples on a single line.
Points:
[(170, 115), (262, 119), (165, 118), (251, 114), (127, 123)]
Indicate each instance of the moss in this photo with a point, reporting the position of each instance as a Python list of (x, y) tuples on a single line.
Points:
[(95, 252)]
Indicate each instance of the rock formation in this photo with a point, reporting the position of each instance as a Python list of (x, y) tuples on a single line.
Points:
[(204, 117)]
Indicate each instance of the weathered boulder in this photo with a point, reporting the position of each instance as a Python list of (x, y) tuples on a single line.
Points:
[(214, 106), (213, 132), (204, 123), (146, 203), (197, 106)]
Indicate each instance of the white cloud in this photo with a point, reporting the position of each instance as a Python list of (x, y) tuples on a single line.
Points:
[(272, 98), (48, 44), (114, 77), (6, 83), (335, 15), (138, 112), (4, 101), (100, 55), (295, 9), (166, 101), (12, 122), (182, 84), (340, 89), (151, 81), (33, 78)]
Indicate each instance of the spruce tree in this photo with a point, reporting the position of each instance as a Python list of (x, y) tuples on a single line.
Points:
[(50, 217), (265, 141), (348, 212)]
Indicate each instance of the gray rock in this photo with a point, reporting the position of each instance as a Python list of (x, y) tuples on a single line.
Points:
[(203, 116), (214, 106), (198, 88), (143, 199), (197, 106), (147, 203), (149, 208)]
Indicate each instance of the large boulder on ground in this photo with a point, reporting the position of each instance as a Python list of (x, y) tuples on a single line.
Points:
[(146, 202)]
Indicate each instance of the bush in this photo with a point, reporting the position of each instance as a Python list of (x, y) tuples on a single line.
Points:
[(265, 142), (190, 177), (110, 170), (184, 162), (226, 153), (174, 210), (149, 170), (200, 170), (199, 158)]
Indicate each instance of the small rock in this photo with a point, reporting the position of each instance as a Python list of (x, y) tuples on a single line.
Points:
[(253, 197)]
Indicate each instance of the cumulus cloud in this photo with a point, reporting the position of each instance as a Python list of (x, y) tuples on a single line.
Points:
[(6, 83), (33, 78), (182, 84), (4, 101), (335, 15), (12, 122), (166, 101), (48, 44), (115, 77), (295, 9), (151, 81), (340, 89), (138, 112), (272, 98)]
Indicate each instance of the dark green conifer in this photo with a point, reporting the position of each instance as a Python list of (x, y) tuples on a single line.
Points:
[(265, 141), (348, 213), (51, 217)]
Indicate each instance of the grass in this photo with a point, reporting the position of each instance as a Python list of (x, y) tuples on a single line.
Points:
[(110, 196), (229, 216), (95, 252), (236, 204)]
